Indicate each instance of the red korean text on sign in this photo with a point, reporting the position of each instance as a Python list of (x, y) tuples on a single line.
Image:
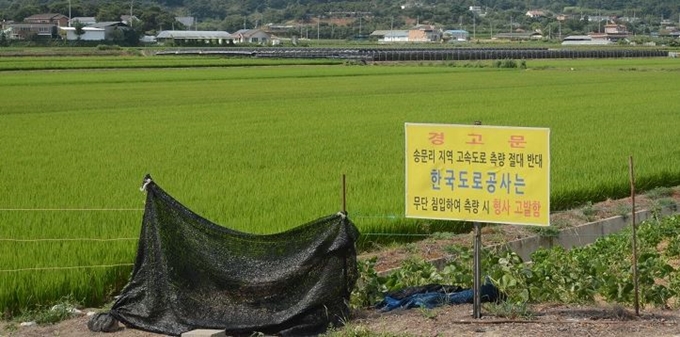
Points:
[(475, 139), (436, 138), (517, 141)]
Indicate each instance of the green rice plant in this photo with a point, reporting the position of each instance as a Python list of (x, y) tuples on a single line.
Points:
[(20, 63), (263, 149)]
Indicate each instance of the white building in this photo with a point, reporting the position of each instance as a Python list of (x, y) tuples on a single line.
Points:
[(396, 36), (194, 36), (583, 40), (95, 32)]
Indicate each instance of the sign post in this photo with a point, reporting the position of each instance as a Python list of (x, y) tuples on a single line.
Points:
[(480, 174), (477, 267)]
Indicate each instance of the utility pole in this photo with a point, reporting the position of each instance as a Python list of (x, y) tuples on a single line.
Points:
[(69, 13), (560, 28), (318, 22), (599, 21), (474, 26)]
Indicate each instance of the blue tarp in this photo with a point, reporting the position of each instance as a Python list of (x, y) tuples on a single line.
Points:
[(434, 295)]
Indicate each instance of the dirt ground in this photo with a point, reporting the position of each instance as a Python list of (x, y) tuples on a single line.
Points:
[(546, 321), (549, 320)]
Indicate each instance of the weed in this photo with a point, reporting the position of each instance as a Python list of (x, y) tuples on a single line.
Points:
[(442, 235), (546, 231), (623, 210), (369, 287), (62, 310), (428, 313), (411, 247), (509, 310), (660, 192), (589, 211), (507, 63), (11, 327), (667, 203), (352, 330)]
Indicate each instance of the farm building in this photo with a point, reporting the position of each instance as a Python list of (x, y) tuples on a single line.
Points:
[(101, 31), (536, 14), (256, 36), (38, 25), (48, 18), (424, 33), (379, 34), (584, 40), (194, 36), (456, 35), (420, 33), (518, 36), (24, 31), (85, 20), (396, 36), (612, 32)]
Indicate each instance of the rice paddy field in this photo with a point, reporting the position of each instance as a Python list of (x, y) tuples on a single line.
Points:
[(261, 147)]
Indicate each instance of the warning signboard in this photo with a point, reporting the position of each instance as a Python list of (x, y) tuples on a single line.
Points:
[(478, 173)]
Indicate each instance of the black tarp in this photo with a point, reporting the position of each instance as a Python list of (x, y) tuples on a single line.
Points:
[(193, 274)]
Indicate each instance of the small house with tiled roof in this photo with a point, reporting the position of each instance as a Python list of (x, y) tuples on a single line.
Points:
[(59, 20)]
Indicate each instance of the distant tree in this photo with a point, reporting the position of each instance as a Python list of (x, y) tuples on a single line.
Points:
[(154, 18), (124, 36), (110, 12), (25, 12), (79, 31), (4, 42)]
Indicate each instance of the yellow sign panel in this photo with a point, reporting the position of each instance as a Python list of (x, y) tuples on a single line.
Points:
[(478, 173)]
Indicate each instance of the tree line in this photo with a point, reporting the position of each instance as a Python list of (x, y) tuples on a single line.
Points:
[(312, 18)]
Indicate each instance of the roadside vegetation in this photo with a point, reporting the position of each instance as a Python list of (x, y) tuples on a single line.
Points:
[(602, 271), (262, 149)]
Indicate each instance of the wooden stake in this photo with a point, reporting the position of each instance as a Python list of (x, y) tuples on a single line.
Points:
[(634, 262), (344, 195)]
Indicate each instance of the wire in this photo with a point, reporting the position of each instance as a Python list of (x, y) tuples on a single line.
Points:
[(395, 234), (66, 268), (71, 239), (69, 209)]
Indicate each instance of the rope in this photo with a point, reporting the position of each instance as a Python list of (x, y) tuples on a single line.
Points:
[(73, 239), (147, 181), (66, 268)]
